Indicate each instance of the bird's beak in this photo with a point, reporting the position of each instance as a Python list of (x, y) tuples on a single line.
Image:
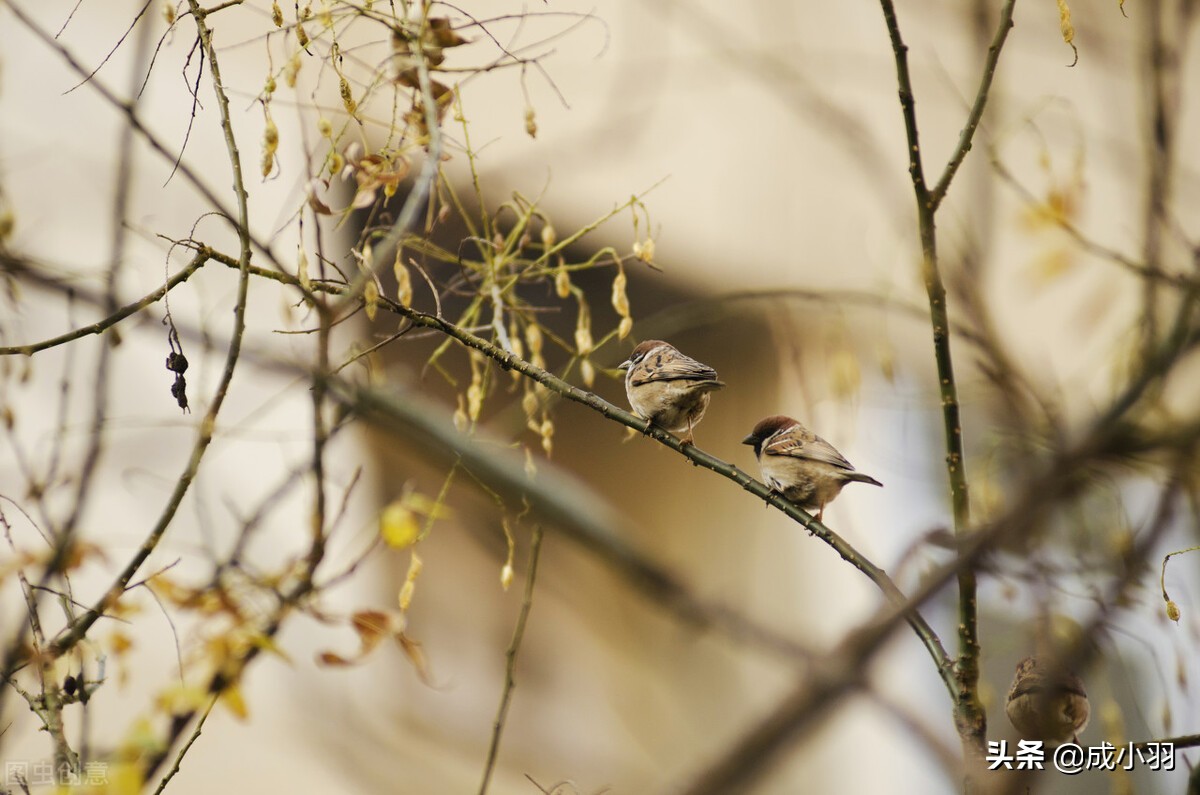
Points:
[(749, 439), (625, 365)]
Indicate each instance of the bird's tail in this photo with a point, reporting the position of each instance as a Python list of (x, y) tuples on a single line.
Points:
[(859, 477)]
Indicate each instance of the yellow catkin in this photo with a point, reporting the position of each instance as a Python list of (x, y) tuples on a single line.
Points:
[(277, 15)]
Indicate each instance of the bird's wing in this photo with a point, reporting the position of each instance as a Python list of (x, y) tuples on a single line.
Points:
[(799, 442), (667, 364)]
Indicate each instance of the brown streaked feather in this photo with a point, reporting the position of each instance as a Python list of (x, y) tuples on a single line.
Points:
[(664, 363), (799, 442)]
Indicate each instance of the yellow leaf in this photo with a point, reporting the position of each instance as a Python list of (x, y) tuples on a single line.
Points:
[(269, 645), (180, 699), (231, 697), (123, 778), (119, 642), (1052, 265), (398, 526), (141, 739)]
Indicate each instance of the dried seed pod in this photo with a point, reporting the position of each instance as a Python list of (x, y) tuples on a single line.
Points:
[(404, 290), (562, 281), (347, 96), (583, 337), (547, 432), (371, 299), (302, 268), (291, 70), (533, 338), (270, 146)]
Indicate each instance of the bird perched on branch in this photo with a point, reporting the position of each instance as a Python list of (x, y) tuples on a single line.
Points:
[(800, 465), (1047, 704), (667, 388)]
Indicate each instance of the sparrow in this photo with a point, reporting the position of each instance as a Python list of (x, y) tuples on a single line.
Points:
[(800, 465), (1047, 705), (667, 388)]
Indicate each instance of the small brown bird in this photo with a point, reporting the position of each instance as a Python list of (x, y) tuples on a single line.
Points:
[(801, 465), (1047, 705), (667, 388)]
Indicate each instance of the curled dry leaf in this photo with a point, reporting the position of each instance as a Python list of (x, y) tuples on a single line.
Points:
[(319, 207), (371, 626), (416, 655)]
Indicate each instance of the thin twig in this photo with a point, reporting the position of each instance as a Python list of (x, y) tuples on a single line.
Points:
[(186, 747), (111, 320), (509, 361), (510, 656)]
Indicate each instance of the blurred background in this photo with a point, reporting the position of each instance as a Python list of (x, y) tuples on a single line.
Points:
[(766, 144)]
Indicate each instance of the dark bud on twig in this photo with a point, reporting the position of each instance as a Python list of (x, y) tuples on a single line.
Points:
[(179, 391), (177, 362), (70, 685)]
